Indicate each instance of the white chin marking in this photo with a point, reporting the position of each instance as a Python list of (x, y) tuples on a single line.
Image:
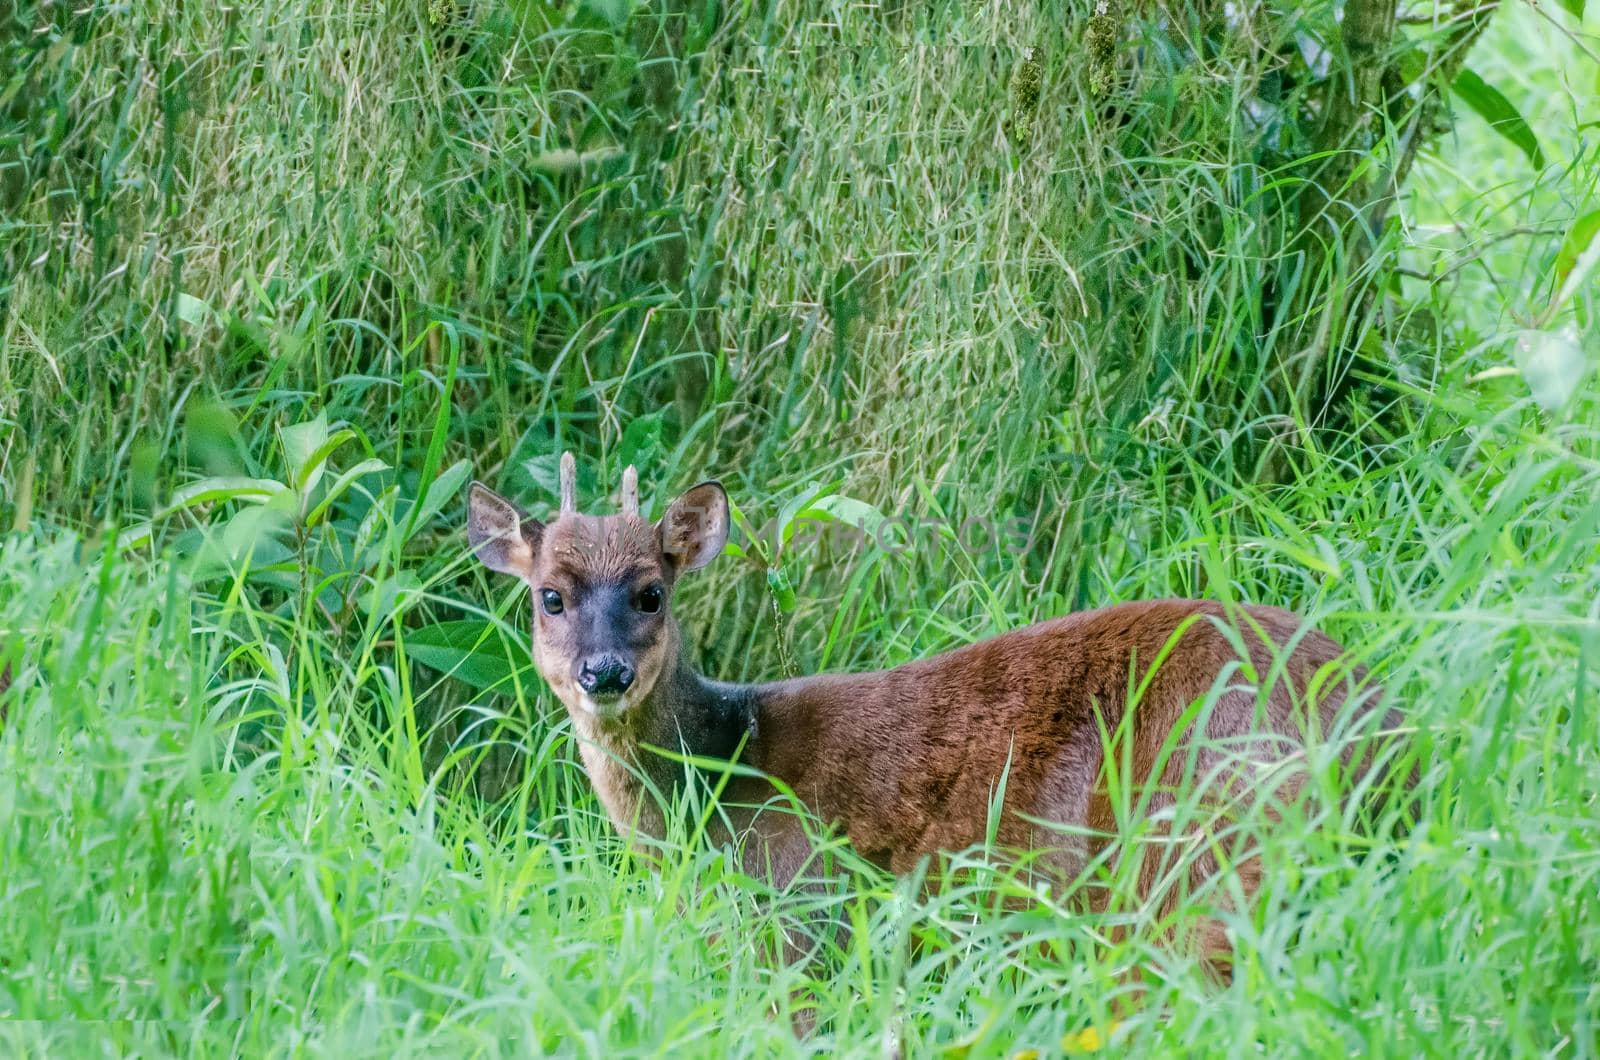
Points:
[(608, 710)]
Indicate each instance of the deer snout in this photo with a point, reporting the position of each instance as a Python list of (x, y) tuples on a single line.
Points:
[(605, 675)]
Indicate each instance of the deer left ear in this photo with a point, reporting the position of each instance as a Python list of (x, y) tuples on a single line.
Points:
[(695, 527), (504, 537)]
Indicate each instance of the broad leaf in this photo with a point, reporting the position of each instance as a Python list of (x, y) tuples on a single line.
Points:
[(441, 491), (392, 596), (342, 483), (1578, 257), (754, 548), (306, 448), (300, 442), (782, 589), (1579, 236), (250, 539), (225, 488), (565, 159), (856, 513), (545, 472), (1552, 365), (790, 512), (641, 446), (1498, 111), (473, 651), (192, 310), (134, 535), (317, 463)]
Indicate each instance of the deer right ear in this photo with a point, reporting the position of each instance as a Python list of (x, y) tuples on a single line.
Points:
[(504, 537), (695, 527)]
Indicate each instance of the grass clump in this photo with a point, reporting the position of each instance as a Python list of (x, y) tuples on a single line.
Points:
[(279, 278)]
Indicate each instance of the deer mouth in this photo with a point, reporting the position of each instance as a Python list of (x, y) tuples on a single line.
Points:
[(607, 706)]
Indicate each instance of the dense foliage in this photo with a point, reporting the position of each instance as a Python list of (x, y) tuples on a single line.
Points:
[(1291, 304)]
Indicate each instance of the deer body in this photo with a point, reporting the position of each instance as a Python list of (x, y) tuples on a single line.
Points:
[(907, 762)]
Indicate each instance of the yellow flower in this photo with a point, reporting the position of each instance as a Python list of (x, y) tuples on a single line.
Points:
[(1088, 1040)]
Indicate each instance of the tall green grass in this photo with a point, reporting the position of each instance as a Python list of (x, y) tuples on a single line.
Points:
[(244, 810)]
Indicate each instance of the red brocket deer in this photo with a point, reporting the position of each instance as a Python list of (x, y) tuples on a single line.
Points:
[(907, 762)]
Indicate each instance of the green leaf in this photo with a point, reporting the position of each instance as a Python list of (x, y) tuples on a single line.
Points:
[(342, 483), (377, 525), (319, 459), (641, 444), (1579, 236), (782, 589), (1573, 8), (1497, 110), (1552, 365), (755, 548), (565, 159), (440, 492), (299, 441), (192, 310), (250, 537), (135, 535), (846, 510), (225, 488), (544, 471), (306, 448), (391, 597), (476, 652), (789, 514), (441, 428)]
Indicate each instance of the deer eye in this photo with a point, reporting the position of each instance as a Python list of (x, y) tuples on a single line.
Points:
[(551, 601), (650, 600)]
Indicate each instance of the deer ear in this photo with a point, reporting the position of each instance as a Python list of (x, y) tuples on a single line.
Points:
[(695, 527), (504, 537)]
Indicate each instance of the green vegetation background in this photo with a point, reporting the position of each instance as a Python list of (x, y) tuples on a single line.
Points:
[(281, 276)]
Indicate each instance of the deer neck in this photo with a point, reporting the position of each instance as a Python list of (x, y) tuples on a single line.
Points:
[(685, 712), (780, 728)]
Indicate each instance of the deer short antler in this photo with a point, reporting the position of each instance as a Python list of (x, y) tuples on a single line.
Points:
[(630, 491), (569, 483)]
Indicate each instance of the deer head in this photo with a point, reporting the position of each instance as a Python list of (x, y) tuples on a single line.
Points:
[(603, 632)]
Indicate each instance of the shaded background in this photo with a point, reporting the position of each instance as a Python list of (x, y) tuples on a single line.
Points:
[(1288, 304)]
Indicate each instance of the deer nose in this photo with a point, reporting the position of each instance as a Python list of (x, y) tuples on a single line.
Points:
[(606, 676)]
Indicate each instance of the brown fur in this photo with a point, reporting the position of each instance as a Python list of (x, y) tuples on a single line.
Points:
[(906, 762)]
